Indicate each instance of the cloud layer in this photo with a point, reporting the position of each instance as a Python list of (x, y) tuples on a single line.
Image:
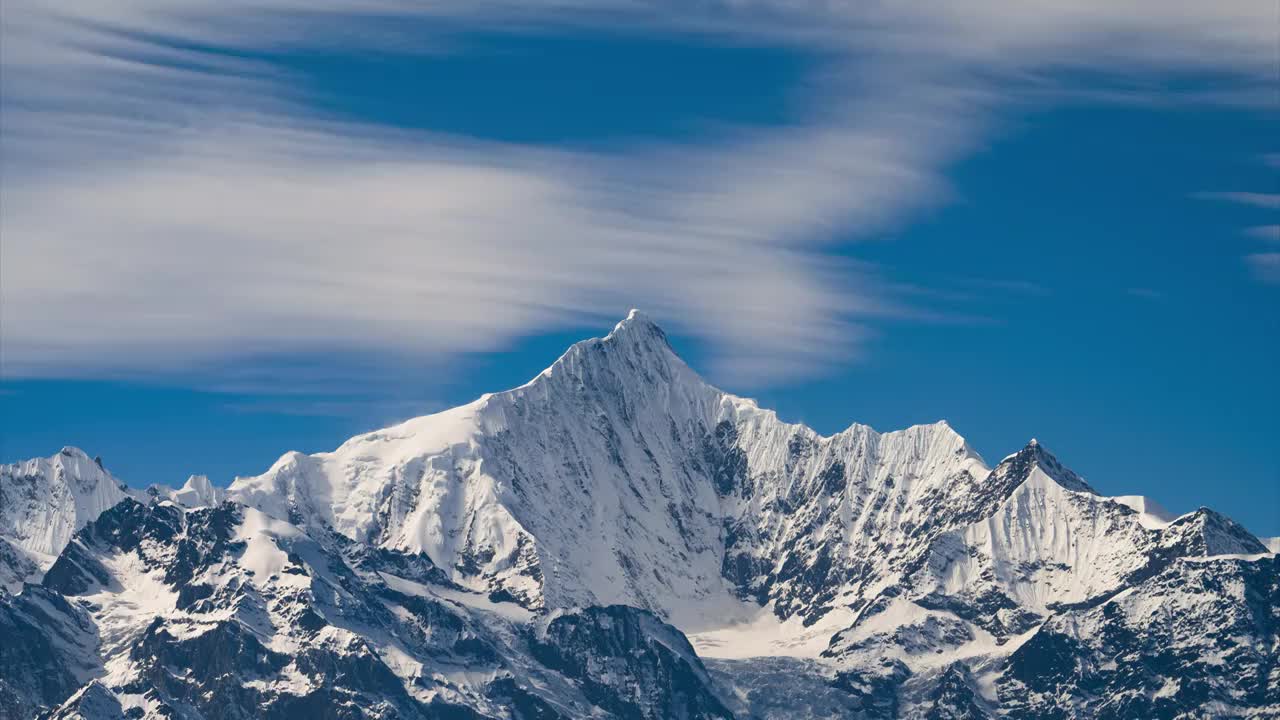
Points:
[(170, 204), (249, 237)]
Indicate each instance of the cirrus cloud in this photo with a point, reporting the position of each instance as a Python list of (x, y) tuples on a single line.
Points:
[(171, 203)]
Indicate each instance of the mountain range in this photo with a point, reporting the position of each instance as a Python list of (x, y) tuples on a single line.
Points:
[(619, 539)]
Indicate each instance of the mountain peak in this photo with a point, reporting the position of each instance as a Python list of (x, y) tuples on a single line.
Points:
[(1034, 455), (636, 338), (47, 499), (1206, 532), (638, 325), (197, 492), (74, 457), (636, 315)]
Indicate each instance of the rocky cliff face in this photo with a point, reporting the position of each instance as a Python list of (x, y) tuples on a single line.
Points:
[(224, 612), (42, 503), (580, 545), (1199, 639)]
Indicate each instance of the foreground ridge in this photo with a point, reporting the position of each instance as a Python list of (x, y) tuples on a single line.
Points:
[(618, 538)]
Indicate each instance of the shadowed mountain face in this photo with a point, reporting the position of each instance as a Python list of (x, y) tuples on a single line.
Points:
[(616, 538)]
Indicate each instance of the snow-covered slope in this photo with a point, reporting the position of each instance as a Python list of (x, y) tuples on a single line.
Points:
[(619, 476), (1151, 513), (1197, 640), (43, 501), (575, 489), (196, 492)]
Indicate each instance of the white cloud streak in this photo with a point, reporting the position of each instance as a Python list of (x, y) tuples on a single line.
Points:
[(249, 239), (1270, 233), (166, 207), (1265, 266), (1268, 201)]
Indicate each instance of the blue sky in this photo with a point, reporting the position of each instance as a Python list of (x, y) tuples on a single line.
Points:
[(227, 237)]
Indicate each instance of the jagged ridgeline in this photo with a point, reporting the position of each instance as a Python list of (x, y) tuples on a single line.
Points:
[(619, 539)]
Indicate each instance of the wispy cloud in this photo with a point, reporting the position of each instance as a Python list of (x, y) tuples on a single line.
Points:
[(1265, 266), (1145, 293), (380, 411), (245, 238), (1270, 233), (1014, 286), (170, 203), (1270, 201)]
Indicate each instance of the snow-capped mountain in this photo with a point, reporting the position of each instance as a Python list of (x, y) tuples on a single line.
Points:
[(196, 492), (47, 499), (44, 501), (619, 476), (617, 538)]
